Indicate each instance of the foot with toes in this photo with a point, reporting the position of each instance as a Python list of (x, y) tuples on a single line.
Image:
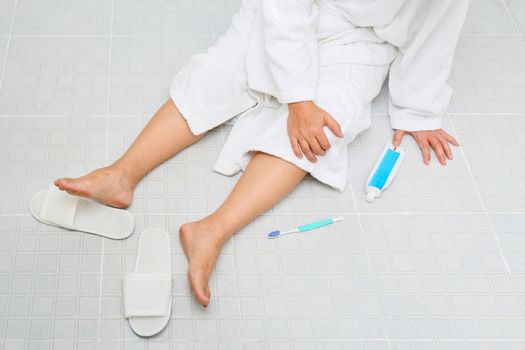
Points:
[(108, 185), (202, 245)]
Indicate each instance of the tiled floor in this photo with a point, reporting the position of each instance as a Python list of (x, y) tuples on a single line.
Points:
[(437, 263)]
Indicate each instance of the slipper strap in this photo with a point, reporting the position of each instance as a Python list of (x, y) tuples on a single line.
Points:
[(59, 208), (146, 295)]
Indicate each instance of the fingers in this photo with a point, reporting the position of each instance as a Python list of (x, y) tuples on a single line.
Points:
[(315, 147), (438, 140), (445, 145), (398, 136), (296, 148), (300, 146), (323, 141), (438, 149), (449, 138), (305, 148), (425, 149), (333, 125)]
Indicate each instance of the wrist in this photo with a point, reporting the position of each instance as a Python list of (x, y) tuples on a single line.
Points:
[(300, 105)]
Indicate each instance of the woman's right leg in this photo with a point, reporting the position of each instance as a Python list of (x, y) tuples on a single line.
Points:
[(166, 134)]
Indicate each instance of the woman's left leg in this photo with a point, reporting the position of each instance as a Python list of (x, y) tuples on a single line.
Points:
[(266, 180)]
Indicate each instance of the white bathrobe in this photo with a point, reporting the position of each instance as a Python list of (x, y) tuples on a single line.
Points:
[(335, 52), (292, 41)]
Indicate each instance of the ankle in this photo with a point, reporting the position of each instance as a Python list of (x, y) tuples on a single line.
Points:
[(125, 174), (215, 227)]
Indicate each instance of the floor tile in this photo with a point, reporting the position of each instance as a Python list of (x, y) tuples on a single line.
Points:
[(162, 17), (198, 18), (488, 75), (493, 146), (38, 150), (142, 67), (7, 8), (510, 232), (71, 17), (3, 52), (63, 76), (517, 10), (488, 17)]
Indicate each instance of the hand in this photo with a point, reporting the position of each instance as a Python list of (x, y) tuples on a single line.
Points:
[(438, 140), (305, 129)]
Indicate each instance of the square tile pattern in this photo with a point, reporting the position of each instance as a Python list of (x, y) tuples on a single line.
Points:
[(438, 262)]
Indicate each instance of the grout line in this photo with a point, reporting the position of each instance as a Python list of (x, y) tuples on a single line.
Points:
[(493, 231), (8, 44), (60, 255), (366, 340), (217, 323), (509, 12), (10, 278), (313, 340), (301, 293), (505, 114), (362, 233), (375, 115), (336, 213), (58, 36), (103, 247), (328, 213), (25, 36)]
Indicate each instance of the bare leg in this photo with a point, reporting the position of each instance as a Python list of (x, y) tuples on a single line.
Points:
[(265, 182), (165, 135)]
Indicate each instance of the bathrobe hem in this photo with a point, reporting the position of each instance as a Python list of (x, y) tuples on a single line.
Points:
[(208, 121), (242, 163), (414, 122)]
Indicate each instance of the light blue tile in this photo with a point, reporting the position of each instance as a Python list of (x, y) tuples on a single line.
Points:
[(75, 17)]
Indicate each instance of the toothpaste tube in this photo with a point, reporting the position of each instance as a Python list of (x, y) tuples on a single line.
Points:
[(384, 171)]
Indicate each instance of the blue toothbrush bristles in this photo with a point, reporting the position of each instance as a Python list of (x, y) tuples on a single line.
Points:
[(274, 234)]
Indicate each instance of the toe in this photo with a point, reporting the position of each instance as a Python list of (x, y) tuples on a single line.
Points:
[(203, 300), (203, 297), (200, 288), (62, 184), (74, 186)]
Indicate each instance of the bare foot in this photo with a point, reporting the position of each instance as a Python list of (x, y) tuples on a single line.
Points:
[(107, 185), (202, 247)]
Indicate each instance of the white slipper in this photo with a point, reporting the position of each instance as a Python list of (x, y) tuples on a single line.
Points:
[(58, 208), (147, 292)]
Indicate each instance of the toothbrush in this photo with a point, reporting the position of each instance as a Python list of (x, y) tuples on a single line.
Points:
[(307, 227)]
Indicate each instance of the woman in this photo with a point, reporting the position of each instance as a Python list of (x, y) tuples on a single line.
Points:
[(299, 76)]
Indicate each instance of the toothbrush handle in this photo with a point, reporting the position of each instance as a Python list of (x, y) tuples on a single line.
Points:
[(315, 225)]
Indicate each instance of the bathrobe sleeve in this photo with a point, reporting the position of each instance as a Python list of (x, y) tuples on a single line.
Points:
[(291, 48), (426, 34)]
